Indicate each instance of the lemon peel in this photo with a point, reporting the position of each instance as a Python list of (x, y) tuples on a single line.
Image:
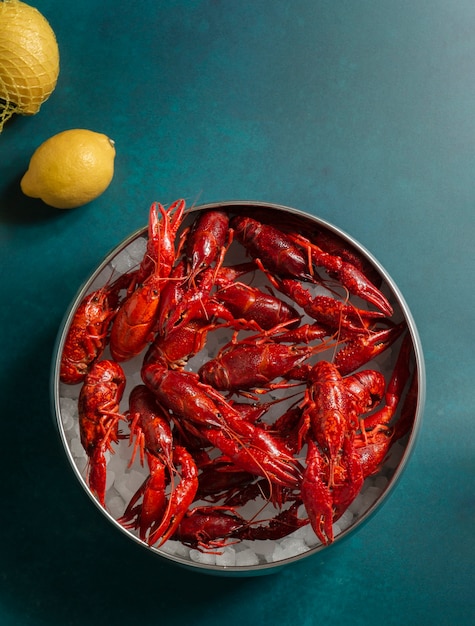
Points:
[(70, 169), (29, 60)]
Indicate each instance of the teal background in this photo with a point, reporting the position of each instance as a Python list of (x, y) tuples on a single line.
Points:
[(361, 113)]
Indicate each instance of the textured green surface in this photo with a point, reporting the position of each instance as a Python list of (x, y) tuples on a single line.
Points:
[(362, 113)]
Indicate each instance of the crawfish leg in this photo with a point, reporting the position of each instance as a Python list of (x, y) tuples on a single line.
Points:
[(181, 497)]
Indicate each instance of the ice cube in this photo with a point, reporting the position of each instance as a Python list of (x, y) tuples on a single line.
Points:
[(227, 558), (129, 484), (77, 450), (246, 558), (205, 558), (69, 412), (110, 477), (345, 520), (69, 391), (130, 257), (381, 482), (115, 506), (261, 547), (176, 548), (288, 548)]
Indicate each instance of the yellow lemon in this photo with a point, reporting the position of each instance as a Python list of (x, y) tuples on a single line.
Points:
[(29, 59), (70, 169)]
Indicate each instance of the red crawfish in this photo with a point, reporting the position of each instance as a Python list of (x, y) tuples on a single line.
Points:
[(248, 365), (219, 479), (316, 495), (200, 408), (157, 515), (380, 430), (181, 303), (135, 321), (99, 417), (356, 351), (331, 409), (275, 250), (290, 255), (327, 240), (335, 314), (239, 305), (305, 333), (252, 304), (206, 240), (209, 528), (88, 332), (339, 459), (188, 336), (161, 239)]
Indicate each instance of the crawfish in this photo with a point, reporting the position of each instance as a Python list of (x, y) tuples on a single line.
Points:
[(161, 239), (220, 478), (291, 255), (305, 333), (394, 390), (252, 304), (340, 456), (180, 336), (156, 518), (88, 332), (316, 495), (209, 528), (374, 442), (200, 407), (332, 405), (380, 429), (206, 240), (99, 416), (246, 365), (275, 250), (135, 321), (330, 312)]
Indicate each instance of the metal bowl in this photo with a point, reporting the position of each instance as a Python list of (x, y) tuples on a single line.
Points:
[(246, 557)]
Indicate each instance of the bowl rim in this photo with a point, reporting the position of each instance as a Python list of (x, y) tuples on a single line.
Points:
[(261, 568)]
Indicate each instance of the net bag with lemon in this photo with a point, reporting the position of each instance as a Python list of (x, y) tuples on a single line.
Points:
[(29, 59)]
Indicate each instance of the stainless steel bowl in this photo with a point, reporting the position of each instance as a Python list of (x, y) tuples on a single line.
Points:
[(246, 558)]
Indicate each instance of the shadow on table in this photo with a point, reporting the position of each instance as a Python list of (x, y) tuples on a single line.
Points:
[(16, 208)]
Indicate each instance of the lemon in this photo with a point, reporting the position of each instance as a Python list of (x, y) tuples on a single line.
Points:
[(29, 59), (70, 169)]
